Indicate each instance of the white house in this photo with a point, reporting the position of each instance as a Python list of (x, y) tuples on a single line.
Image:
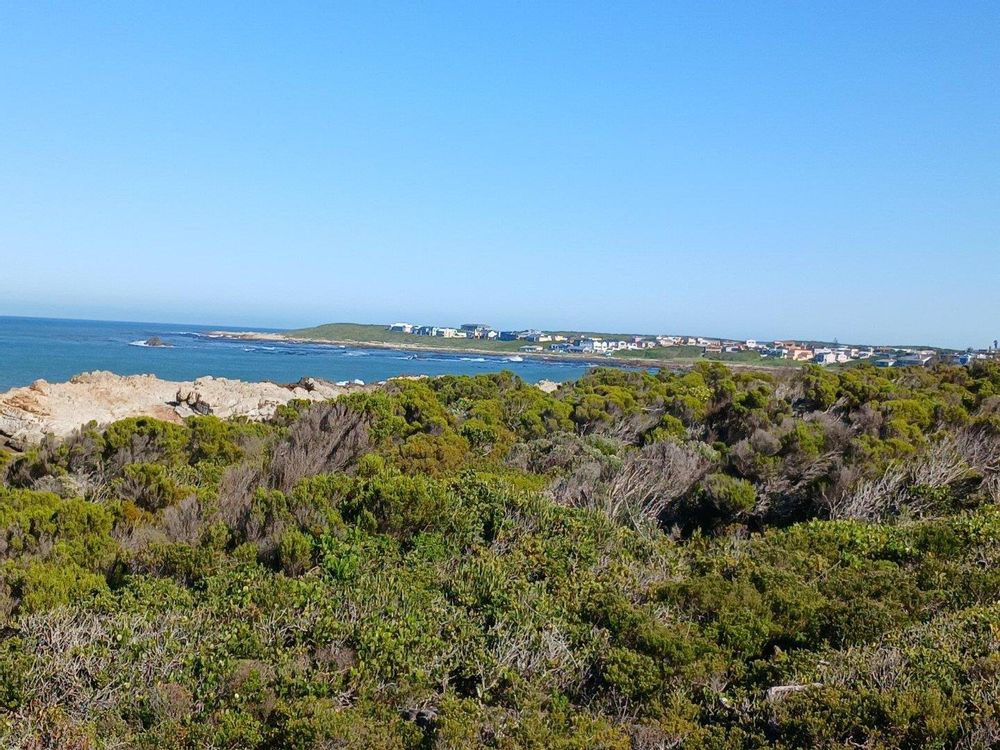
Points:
[(917, 359), (590, 345)]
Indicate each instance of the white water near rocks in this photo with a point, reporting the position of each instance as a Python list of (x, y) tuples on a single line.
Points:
[(56, 350)]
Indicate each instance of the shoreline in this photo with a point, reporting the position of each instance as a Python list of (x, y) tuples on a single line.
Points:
[(623, 362), (420, 348)]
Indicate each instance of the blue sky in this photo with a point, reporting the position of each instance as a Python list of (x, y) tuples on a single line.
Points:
[(746, 169)]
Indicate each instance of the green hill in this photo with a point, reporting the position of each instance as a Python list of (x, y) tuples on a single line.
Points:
[(379, 334)]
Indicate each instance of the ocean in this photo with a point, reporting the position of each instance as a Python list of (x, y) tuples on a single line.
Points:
[(56, 350)]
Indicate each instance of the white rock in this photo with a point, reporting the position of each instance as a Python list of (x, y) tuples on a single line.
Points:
[(28, 414)]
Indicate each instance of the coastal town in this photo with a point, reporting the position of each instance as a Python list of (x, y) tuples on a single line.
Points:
[(669, 346)]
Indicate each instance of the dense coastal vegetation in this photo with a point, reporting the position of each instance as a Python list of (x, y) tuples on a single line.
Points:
[(707, 559)]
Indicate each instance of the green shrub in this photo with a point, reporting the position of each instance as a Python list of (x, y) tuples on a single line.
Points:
[(433, 564)]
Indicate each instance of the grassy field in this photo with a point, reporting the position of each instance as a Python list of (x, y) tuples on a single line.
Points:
[(361, 333), (687, 354), (662, 353), (751, 358), (379, 334)]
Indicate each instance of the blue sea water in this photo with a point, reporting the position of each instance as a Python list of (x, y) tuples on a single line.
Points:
[(55, 350)]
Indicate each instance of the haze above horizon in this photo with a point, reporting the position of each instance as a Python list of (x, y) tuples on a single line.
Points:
[(746, 170)]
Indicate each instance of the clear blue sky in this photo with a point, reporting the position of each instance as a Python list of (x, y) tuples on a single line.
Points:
[(748, 169)]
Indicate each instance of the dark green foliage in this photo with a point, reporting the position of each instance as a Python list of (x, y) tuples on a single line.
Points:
[(705, 559), (139, 439), (729, 496)]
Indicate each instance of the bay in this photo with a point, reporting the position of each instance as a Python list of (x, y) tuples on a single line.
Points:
[(56, 350)]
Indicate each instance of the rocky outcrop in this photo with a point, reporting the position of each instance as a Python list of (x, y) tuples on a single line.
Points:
[(28, 414), (547, 386), (192, 399)]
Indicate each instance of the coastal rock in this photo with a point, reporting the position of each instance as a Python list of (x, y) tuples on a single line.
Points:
[(201, 408), (547, 386), (28, 414), (306, 384)]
